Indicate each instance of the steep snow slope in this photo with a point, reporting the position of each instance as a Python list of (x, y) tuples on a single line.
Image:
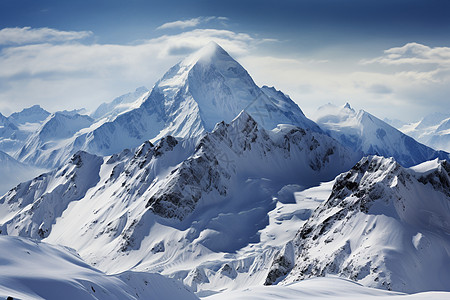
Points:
[(383, 226), (207, 87), (36, 270), (120, 104), (13, 172), (173, 206), (368, 135), (47, 196)]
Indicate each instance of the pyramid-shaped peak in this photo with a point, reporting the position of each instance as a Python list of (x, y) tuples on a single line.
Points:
[(211, 52)]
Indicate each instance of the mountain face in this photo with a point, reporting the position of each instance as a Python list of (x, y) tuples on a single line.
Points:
[(368, 135), (174, 204), (56, 272), (206, 88), (383, 226)]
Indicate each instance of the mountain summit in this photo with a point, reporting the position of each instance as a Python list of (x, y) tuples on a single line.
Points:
[(207, 87), (218, 88)]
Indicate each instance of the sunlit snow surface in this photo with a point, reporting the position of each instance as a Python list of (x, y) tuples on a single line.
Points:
[(32, 270), (321, 288)]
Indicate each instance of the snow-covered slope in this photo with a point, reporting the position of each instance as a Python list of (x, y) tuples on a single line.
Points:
[(216, 88), (173, 206), (383, 226), (322, 289), (369, 135), (120, 104), (207, 87), (47, 146), (13, 172), (433, 130), (34, 270)]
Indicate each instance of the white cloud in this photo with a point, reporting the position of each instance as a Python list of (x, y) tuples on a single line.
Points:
[(417, 62), (27, 35), (86, 75), (414, 54), (194, 22), (71, 75)]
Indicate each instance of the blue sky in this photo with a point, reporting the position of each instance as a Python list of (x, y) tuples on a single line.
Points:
[(391, 58)]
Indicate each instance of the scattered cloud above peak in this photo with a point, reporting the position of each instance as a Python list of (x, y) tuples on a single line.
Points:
[(28, 35), (194, 22), (417, 62), (413, 54)]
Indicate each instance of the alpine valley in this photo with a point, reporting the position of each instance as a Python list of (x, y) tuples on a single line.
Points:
[(210, 186)]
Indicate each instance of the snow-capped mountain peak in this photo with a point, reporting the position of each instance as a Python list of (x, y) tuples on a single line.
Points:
[(365, 133), (210, 53), (204, 89)]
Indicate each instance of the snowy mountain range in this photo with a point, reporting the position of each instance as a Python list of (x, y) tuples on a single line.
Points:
[(433, 130), (368, 135), (206, 88), (180, 199), (223, 186)]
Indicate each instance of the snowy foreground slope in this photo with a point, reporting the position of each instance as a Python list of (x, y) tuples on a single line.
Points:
[(207, 87), (322, 288), (35, 270), (172, 206), (368, 135), (383, 226)]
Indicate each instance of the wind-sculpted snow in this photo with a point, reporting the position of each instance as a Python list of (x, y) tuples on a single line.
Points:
[(383, 226), (368, 135)]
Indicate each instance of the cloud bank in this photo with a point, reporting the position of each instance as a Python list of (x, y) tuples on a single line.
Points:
[(86, 74), (27, 35), (60, 70)]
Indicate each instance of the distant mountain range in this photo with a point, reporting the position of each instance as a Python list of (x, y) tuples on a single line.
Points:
[(433, 130)]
